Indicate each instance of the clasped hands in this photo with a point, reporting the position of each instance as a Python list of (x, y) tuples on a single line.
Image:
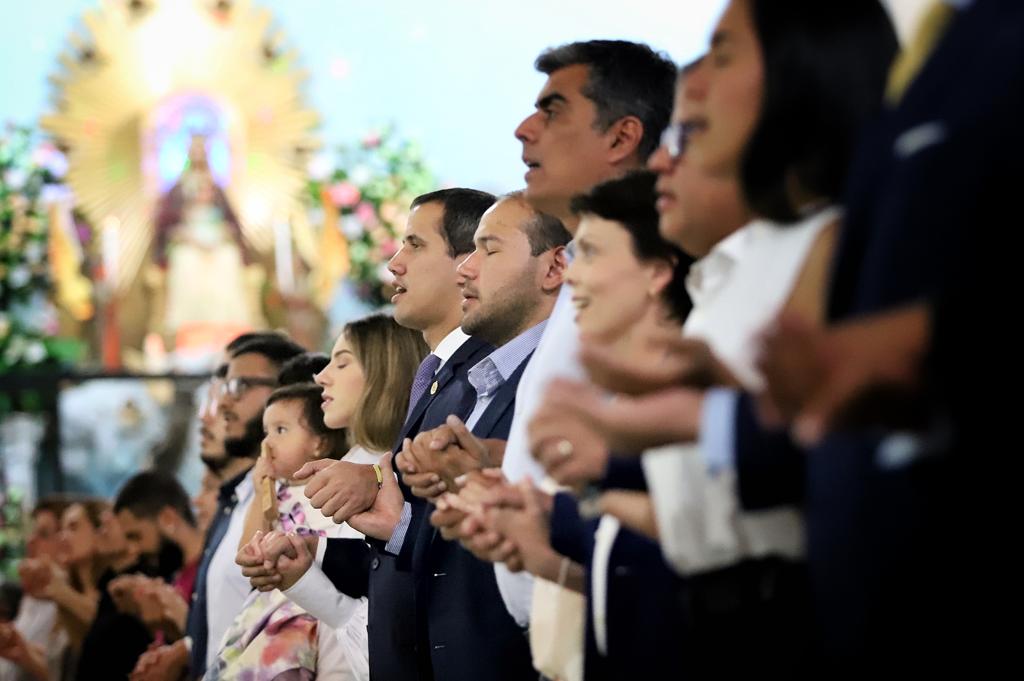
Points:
[(276, 559), (432, 462), (155, 602)]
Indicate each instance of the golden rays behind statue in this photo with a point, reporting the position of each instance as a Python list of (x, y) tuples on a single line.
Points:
[(185, 128)]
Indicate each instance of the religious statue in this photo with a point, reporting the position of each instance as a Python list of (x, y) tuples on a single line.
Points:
[(208, 284)]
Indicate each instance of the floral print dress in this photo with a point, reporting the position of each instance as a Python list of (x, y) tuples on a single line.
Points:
[(273, 639)]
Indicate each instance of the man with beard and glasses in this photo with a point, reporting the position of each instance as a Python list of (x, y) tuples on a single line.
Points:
[(211, 425), (220, 588)]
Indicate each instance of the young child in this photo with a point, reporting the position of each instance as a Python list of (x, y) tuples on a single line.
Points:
[(272, 636)]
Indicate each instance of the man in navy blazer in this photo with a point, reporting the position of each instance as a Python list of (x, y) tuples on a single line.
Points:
[(509, 285)]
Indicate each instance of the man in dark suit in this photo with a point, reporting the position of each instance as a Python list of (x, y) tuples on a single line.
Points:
[(438, 235), (509, 285)]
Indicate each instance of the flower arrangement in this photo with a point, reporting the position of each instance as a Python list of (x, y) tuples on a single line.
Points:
[(30, 171), (368, 187)]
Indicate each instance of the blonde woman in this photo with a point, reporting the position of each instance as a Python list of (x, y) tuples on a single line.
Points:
[(365, 390)]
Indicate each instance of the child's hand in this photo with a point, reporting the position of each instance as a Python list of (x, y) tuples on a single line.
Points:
[(292, 569), (263, 468), (250, 558)]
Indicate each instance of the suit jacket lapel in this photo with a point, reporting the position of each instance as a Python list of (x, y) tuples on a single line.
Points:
[(503, 399), (468, 350)]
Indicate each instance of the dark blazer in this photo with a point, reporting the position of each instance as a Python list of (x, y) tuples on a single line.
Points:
[(463, 620), (644, 601), (757, 606), (624, 472), (391, 622), (936, 180)]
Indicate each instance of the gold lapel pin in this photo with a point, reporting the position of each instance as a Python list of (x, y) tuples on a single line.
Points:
[(433, 388)]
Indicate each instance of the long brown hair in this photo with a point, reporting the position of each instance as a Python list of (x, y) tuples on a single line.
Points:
[(389, 354)]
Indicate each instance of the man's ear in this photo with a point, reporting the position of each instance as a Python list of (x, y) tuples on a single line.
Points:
[(556, 266), (167, 519), (624, 137)]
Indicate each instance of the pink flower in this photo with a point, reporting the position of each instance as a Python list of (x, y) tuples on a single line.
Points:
[(367, 214), (388, 249), (344, 194), (372, 140)]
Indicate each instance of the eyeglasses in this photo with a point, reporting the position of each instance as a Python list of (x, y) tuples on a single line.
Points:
[(674, 139), (208, 398), (237, 387)]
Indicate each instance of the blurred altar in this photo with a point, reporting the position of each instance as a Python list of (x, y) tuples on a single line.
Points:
[(185, 170), (173, 197)]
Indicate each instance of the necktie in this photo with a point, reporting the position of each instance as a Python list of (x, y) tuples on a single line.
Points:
[(908, 64), (424, 376)]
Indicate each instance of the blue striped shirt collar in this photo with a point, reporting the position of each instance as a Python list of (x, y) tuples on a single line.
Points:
[(492, 371)]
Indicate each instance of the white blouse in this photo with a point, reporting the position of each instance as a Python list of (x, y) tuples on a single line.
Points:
[(342, 637)]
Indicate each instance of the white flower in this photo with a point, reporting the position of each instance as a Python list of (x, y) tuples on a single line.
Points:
[(352, 227), (320, 167), (15, 178), (34, 253), (35, 353), (48, 156), (54, 193), (19, 276), (57, 164), (384, 274), (14, 350), (360, 175)]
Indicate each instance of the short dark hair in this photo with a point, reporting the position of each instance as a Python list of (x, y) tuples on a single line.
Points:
[(55, 504), (825, 71), (630, 201), (309, 396), (462, 211), (222, 370), (275, 347), (149, 492), (624, 79), (244, 338), (544, 231), (302, 368)]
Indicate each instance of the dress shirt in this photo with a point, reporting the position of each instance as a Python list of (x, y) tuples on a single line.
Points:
[(492, 371), (556, 356), (37, 623), (226, 588), (737, 290)]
